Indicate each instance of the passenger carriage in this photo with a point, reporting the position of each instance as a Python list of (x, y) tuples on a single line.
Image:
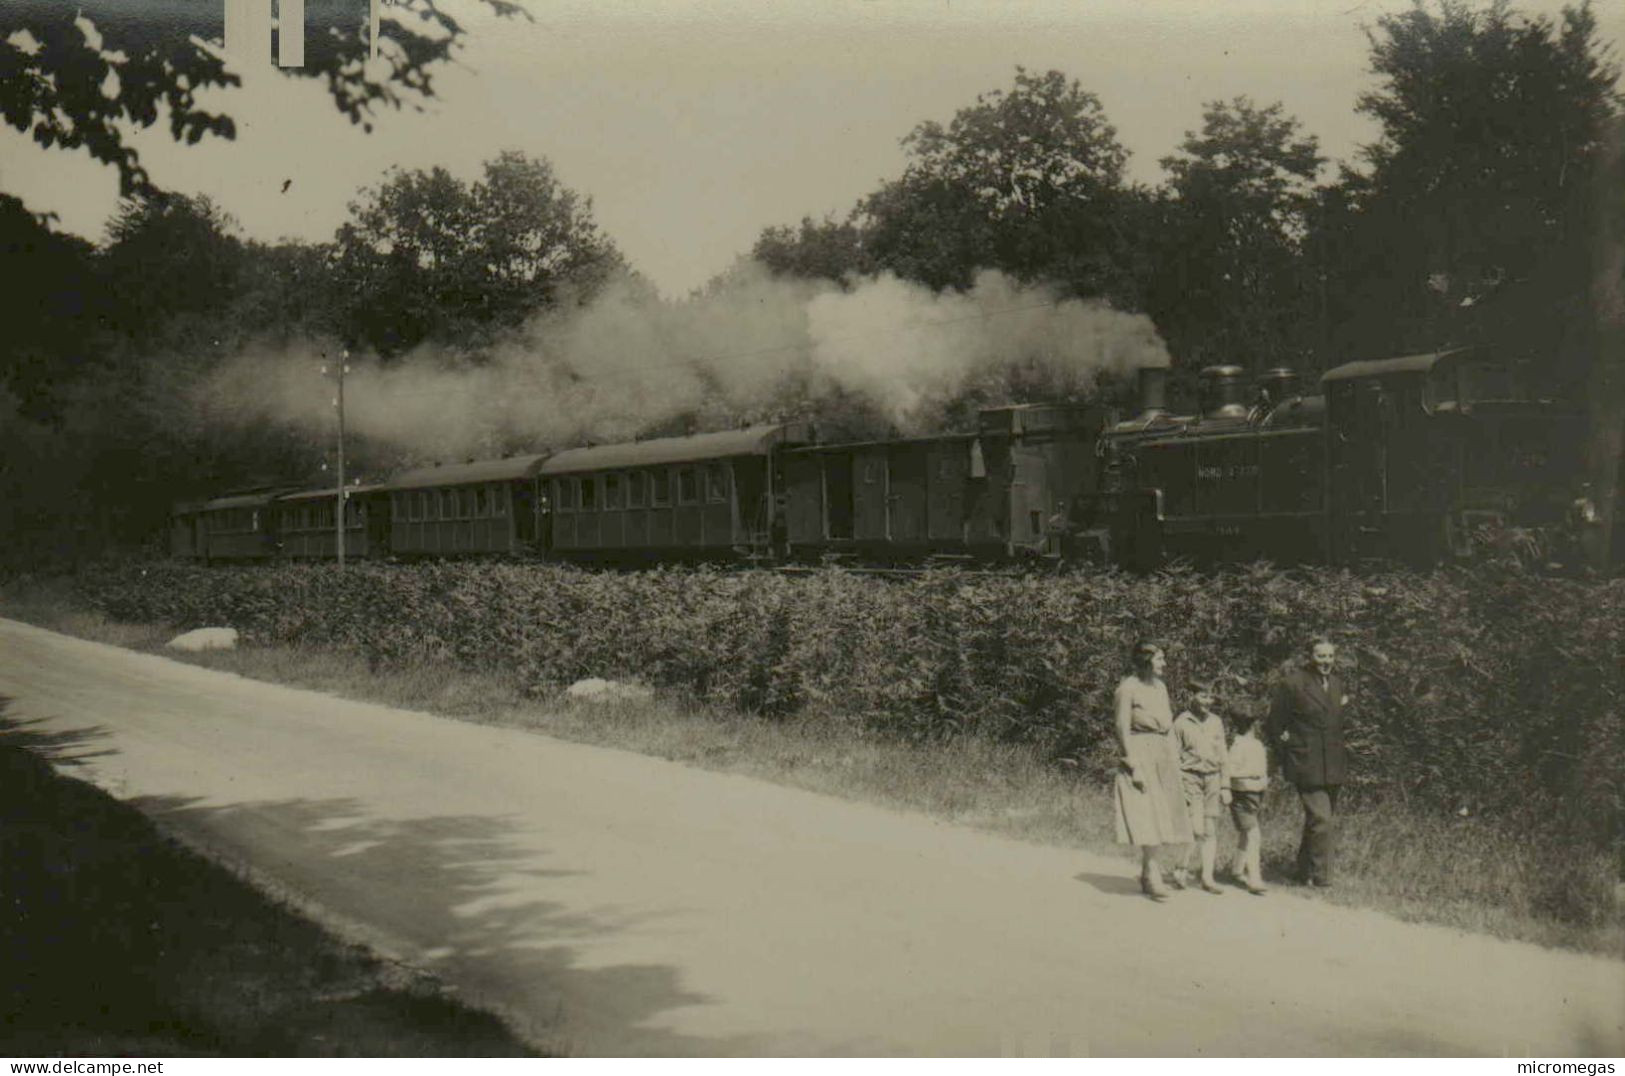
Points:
[(704, 497), (305, 527), (480, 507)]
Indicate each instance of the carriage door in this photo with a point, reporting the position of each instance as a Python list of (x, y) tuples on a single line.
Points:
[(1029, 499), (905, 494), (1358, 459), (871, 494), (528, 515)]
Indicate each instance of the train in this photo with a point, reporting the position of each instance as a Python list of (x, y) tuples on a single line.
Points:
[(1412, 458)]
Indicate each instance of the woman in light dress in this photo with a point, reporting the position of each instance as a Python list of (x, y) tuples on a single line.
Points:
[(1150, 805)]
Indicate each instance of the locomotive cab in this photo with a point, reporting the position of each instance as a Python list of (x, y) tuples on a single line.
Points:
[(1430, 452)]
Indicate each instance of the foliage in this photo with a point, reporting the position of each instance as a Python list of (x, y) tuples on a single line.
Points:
[(80, 76), (1501, 696), (1477, 201), (1229, 283), (814, 250), (425, 256), (1028, 180)]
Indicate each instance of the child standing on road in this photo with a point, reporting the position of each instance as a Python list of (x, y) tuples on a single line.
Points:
[(1249, 777), (1204, 778)]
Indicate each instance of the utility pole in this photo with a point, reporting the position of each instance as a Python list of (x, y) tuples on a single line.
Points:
[(340, 497)]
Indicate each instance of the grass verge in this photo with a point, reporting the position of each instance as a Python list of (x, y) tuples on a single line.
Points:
[(1416, 864)]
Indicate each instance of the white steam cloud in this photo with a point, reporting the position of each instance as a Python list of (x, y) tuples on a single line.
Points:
[(754, 348)]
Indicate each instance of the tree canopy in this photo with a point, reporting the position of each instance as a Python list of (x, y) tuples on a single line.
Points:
[(425, 256), (1028, 180), (1476, 200), (1229, 284), (77, 76)]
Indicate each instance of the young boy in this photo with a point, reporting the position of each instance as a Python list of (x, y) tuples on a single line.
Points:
[(1249, 777), (1204, 777)]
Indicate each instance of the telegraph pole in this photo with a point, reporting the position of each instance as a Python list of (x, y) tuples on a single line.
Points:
[(339, 495)]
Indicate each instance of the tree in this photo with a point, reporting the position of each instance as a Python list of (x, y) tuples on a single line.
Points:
[(815, 250), (1028, 181), (425, 256), (1476, 204), (167, 256), (1231, 287), (49, 306), (79, 81)]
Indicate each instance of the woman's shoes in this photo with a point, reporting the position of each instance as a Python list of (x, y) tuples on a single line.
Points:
[(1180, 878), (1210, 887), (1153, 888), (1257, 889)]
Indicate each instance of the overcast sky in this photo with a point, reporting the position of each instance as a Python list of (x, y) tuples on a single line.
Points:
[(694, 125)]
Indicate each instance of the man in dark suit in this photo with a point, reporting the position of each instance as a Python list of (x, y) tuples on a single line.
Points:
[(1306, 720)]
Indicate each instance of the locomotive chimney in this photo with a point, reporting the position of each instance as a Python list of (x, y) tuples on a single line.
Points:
[(1153, 391), (1221, 392), (1279, 384)]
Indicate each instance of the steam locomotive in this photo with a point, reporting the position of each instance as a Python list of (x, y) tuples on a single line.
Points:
[(1405, 458)]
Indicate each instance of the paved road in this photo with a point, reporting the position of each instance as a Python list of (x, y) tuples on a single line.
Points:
[(616, 904)]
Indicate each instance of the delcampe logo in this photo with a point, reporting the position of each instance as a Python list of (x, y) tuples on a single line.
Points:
[(248, 31)]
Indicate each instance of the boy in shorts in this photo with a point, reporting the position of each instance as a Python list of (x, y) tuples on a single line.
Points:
[(1248, 767), (1199, 732)]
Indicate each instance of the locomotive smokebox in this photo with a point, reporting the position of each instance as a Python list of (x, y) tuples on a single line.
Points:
[(1153, 391), (1222, 391), (1278, 384)]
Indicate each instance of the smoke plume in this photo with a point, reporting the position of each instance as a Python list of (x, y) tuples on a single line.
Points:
[(751, 348)]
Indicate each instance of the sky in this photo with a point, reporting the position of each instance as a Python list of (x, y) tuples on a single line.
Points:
[(694, 124)]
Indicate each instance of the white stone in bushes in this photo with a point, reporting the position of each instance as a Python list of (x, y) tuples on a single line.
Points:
[(205, 639), (594, 689)]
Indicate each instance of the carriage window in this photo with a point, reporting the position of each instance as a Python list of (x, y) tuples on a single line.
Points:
[(637, 489), (716, 483), (256, 525), (612, 491), (871, 472), (688, 486), (352, 513), (569, 494), (589, 494), (499, 501), (482, 507), (660, 487)]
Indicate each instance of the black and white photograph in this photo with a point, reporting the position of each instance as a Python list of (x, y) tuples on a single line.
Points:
[(997, 529)]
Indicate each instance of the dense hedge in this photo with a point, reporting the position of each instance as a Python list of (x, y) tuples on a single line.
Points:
[(1499, 694)]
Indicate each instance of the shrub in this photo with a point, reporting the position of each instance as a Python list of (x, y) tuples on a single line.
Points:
[(1496, 696)]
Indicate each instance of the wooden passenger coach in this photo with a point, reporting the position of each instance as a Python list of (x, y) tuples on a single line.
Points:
[(305, 530), (238, 527), (700, 497), (489, 506)]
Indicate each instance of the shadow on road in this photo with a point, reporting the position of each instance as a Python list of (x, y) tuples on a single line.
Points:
[(1115, 885), (458, 895), (461, 897), (67, 747)]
